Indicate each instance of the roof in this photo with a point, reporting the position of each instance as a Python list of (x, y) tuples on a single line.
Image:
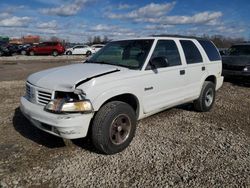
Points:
[(162, 37), (179, 36)]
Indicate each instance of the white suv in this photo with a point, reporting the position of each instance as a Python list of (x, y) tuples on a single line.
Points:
[(126, 81)]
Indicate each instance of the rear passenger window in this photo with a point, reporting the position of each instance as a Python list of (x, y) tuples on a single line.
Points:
[(191, 52), (168, 50), (210, 49)]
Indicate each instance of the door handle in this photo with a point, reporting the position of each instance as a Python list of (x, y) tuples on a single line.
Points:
[(182, 72), (203, 68)]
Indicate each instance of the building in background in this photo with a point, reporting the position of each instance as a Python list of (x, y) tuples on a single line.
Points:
[(29, 39), (16, 41)]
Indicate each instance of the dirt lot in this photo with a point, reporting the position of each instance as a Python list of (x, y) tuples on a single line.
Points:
[(19, 67), (175, 148)]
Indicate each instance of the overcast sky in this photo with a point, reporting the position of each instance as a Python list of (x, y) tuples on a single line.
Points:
[(76, 20)]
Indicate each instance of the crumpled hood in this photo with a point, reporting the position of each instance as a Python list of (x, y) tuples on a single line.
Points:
[(236, 60), (66, 77)]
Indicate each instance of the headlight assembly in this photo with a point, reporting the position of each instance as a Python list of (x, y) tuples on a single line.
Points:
[(68, 106), (247, 68)]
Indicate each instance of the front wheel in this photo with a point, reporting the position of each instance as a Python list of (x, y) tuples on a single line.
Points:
[(206, 100), (88, 53), (68, 53), (113, 127)]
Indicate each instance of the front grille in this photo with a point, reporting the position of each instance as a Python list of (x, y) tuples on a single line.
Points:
[(43, 97), (28, 92), (233, 67), (38, 95)]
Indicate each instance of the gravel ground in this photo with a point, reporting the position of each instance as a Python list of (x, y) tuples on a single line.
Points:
[(175, 148), (40, 58)]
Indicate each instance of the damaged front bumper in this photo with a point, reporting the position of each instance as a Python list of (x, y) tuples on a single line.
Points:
[(69, 126)]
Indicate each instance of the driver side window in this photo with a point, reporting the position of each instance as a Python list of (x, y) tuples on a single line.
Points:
[(166, 49)]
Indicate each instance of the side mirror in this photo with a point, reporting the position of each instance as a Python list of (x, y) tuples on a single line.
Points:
[(157, 62)]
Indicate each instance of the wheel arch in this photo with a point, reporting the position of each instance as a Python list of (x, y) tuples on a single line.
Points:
[(128, 98), (212, 78)]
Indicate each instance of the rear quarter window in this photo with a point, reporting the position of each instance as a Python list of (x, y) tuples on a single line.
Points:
[(210, 49), (192, 53)]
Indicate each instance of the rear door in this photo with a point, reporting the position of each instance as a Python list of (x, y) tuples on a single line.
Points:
[(164, 86), (196, 69), (213, 58), (49, 47)]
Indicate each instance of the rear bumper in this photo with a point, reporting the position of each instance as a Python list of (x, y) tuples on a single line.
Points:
[(219, 82), (69, 126)]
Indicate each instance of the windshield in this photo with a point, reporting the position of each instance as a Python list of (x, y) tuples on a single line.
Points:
[(239, 50), (128, 53)]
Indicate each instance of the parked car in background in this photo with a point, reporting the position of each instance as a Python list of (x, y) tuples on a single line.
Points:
[(223, 51), (126, 81), (14, 49), (47, 48), (97, 47), (237, 61), (24, 48), (4, 51), (80, 50)]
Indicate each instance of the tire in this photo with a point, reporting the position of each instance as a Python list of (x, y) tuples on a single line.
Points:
[(23, 52), (1, 53), (55, 53), (32, 53), (88, 53), (113, 127), (206, 99), (68, 53)]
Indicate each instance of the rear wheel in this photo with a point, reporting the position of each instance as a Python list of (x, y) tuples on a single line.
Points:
[(23, 52), (113, 127), (32, 53), (206, 100), (55, 53)]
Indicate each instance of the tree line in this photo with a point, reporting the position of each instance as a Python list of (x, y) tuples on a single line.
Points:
[(219, 40)]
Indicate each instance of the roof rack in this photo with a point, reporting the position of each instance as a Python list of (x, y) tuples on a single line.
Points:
[(177, 36)]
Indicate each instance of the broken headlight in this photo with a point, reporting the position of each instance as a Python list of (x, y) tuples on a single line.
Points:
[(69, 102), (69, 106)]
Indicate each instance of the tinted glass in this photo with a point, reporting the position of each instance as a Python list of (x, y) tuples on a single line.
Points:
[(127, 53), (169, 51), (192, 53), (76, 47), (239, 50), (210, 49), (42, 44)]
